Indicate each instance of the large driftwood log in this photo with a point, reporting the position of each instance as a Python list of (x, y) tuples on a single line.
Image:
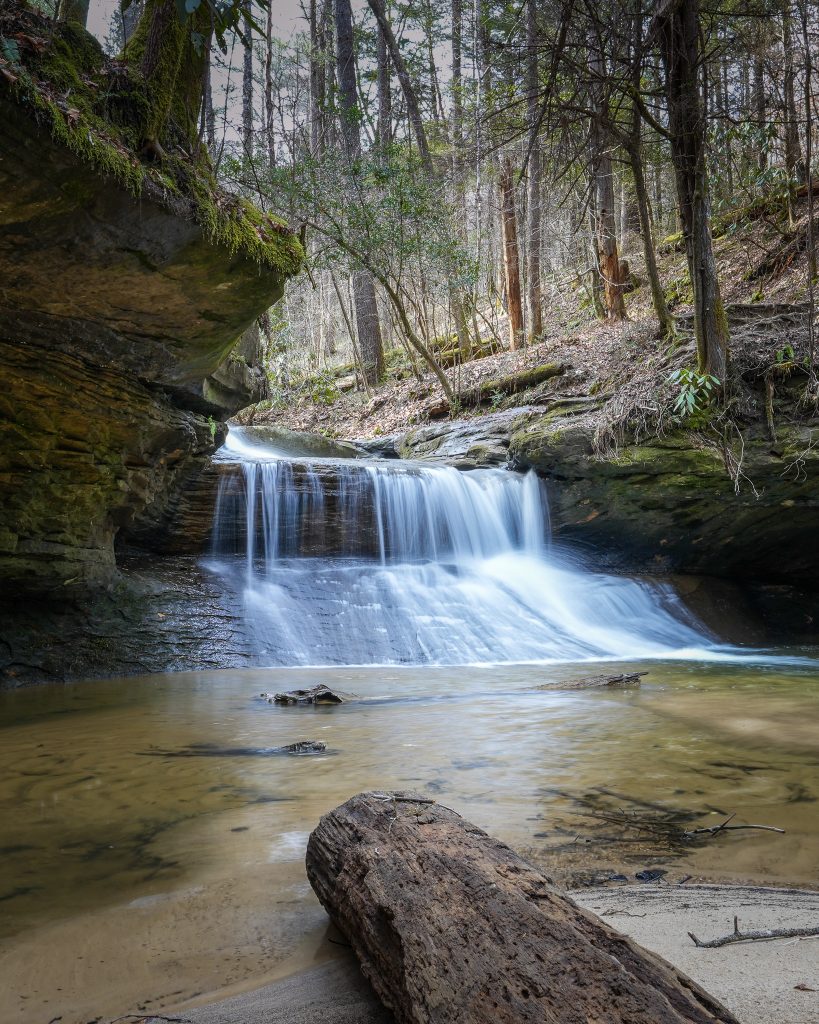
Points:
[(450, 925)]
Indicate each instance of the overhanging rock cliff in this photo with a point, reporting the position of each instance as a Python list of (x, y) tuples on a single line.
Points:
[(120, 313)]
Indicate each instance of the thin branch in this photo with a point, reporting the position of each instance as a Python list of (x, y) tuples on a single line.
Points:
[(766, 933)]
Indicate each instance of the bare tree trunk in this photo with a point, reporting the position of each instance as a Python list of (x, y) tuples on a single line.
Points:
[(269, 109), (723, 99), (597, 293), (247, 90), (760, 112), (666, 321), (316, 58), (456, 88), (209, 113), (511, 257), (458, 302), (608, 259), (351, 332), (410, 97), (793, 155), (811, 241), (634, 148), (679, 37), (366, 306), (534, 213), (384, 126)]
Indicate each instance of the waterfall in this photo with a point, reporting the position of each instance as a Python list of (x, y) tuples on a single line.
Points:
[(356, 561)]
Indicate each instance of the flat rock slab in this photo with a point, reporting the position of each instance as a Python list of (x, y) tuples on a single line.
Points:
[(452, 927)]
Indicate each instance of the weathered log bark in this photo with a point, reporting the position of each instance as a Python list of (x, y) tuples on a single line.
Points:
[(451, 926)]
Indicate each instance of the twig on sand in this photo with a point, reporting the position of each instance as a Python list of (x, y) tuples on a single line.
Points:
[(766, 933)]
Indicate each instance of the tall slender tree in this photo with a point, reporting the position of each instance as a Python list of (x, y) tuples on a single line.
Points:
[(534, 208), (247, 88), (366, 304), (677, 28), (602, 174)]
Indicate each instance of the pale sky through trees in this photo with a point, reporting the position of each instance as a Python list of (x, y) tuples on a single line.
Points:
[(288, 16)]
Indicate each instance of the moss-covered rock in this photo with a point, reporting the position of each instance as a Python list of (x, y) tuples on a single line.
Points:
[(670, 504), (122, 296)]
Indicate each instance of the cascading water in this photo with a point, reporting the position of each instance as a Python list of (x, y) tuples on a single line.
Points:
[(370, 562)]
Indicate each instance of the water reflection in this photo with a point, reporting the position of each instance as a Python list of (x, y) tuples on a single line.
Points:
[(95, 834)]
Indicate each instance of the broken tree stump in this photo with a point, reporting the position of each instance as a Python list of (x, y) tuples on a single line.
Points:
[(452, 927)]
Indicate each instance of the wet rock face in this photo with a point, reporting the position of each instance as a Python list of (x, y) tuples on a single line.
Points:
[(157, 615), (118, 357), (666, 505), (670, 505), (467, 444)]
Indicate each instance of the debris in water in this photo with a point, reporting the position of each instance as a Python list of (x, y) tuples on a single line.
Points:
[(211, 750), (596, 682)]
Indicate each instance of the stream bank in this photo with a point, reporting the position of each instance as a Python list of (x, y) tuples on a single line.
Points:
[(120, 847), (762, 983)]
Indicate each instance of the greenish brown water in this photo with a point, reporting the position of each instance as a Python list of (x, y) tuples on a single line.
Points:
[(134, 878)]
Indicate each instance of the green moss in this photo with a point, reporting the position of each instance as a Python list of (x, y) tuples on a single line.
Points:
[(679, 292), (174, 71), (100, 114), (244, 230), (672, 243), (85, 135)]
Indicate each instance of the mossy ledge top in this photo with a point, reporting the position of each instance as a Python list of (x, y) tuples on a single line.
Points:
[(93, 106)]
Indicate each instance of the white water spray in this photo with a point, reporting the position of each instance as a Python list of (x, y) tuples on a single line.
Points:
[(364, 562)]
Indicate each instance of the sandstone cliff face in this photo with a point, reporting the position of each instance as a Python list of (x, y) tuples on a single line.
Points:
[(119, 323)]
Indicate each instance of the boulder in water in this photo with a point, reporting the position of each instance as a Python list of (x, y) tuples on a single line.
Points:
[(315, 695)]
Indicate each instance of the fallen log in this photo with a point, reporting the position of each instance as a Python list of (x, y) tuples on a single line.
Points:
[(511, 384), (299, 748), (489, 390), (452, 927), (764, 933)]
